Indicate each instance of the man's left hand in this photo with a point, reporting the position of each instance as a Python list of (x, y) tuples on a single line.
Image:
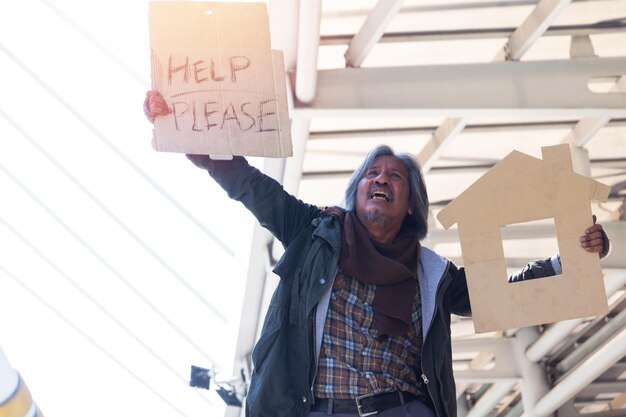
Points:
[(595, 240)]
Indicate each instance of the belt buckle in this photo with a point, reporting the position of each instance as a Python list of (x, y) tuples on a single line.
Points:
[(358, 405)]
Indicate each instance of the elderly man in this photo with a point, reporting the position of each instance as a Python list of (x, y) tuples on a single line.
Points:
[(360, 322)]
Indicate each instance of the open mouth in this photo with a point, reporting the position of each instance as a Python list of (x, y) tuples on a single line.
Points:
[(380, 195)]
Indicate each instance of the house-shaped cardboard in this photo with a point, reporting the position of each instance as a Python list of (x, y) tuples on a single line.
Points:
[(519, 189)]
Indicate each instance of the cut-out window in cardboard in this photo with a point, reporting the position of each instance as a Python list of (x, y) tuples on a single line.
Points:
[(519, 189), (213, 65), (521, 251)]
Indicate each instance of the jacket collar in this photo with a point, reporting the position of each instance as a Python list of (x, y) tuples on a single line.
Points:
[(329, 229)]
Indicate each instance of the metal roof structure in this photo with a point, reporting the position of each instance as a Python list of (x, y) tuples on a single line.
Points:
[(120, 267)]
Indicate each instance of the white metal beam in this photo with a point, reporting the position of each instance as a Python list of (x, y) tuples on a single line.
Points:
[(572, 409), (534, 383), (519, 42), (509, 88), (284, 29), (598, 363), (490, 399), (439, 140), (551, 338), (581, 164), (617, 234), (310, 14), (584, 130), (581, 47), (598, 388), (587, 127), (300, 129), (531, 29), (596, 340), (371, 31), (504, 369), (461, 406)]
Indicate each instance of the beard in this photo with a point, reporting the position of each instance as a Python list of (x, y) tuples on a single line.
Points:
[(374, 217)]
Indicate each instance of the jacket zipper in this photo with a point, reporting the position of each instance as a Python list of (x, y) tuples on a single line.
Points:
[(313, 315)]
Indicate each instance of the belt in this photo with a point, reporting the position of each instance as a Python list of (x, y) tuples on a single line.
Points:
[(363, 405)]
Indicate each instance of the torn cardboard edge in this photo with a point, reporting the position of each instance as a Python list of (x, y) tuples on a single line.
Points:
[(519, 189)]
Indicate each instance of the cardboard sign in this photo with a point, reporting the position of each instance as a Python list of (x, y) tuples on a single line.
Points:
[(519, 189), (226, 88)]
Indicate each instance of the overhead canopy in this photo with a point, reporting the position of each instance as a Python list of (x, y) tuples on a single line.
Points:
[(120, 267)]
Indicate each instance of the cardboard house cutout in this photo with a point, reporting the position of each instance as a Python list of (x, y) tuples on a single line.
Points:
[(227, 89), (519, 189)]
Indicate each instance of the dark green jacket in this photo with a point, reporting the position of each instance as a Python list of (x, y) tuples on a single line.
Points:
[(285, 356)]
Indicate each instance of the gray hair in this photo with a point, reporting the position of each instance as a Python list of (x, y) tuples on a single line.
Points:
[(416, 223)]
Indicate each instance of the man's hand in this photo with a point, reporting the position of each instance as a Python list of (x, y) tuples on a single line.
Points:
[(595, 240), (201, 161), (154, 105)]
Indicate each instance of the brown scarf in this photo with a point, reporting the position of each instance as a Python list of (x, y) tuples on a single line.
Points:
[(391, 267)]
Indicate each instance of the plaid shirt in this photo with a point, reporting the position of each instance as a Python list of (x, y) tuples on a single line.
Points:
[(353, 361)]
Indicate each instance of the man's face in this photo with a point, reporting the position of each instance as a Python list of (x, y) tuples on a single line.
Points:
[(383, 193)]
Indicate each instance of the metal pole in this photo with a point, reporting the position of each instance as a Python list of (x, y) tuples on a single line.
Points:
[(596, 340), (490, 399), (308, 46), (596, 365), (534, 384)]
